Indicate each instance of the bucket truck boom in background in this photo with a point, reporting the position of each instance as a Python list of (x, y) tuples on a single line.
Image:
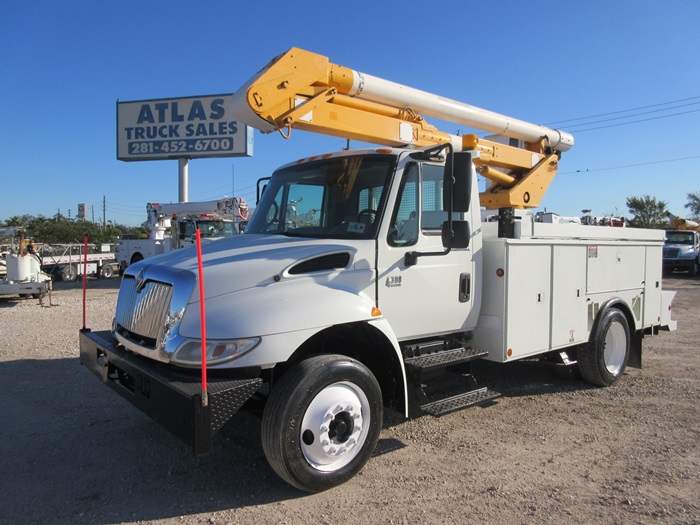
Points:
[(215, 219), (368, 278)]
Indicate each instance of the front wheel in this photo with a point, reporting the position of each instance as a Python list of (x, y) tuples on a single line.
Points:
[(322, 422), (603, 361)]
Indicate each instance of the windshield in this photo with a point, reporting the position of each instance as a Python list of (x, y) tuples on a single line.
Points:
[(679, 237), (330, 198), (214, 228)]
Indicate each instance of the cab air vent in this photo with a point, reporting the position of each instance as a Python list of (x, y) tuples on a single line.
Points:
[(333, 261)]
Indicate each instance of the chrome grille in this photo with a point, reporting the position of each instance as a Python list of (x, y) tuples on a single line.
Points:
[(141, 314)]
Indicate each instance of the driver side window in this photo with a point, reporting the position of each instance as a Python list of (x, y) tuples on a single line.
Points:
[(404, 230)]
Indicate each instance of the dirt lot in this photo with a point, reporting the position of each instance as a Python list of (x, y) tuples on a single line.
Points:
[(552, 450)]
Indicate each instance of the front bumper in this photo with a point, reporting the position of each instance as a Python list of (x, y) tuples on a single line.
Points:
[(683, 265), (171, 396)]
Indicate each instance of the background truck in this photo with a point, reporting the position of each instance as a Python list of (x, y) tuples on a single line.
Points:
[(67, 261), (682, 247), (215, 219), (368, 279)]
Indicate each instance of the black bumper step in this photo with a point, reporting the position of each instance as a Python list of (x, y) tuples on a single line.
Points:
[(172, 399), (460, 401), (444, 359)]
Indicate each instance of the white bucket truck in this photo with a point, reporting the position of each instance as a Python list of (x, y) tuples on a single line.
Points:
[(385, 281), (215, 219)]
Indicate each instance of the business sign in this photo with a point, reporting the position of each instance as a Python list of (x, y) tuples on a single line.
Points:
[(189, 127)]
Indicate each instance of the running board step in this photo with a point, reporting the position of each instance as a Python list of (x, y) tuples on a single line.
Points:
[(444, 359), (458, 402)]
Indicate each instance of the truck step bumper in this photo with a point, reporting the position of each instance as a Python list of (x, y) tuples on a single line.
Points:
[(442, 377), (444, 359), (172, 398), (458, 402)]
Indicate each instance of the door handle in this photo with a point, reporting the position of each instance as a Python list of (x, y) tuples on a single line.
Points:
[(464, 287)]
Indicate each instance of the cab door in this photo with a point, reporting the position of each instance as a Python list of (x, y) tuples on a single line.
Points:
[(436, 295)]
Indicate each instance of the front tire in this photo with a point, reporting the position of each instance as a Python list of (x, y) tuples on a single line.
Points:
[(603, 361), (322, 422)]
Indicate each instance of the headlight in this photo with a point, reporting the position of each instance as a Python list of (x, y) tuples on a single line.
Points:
[(190, 352)]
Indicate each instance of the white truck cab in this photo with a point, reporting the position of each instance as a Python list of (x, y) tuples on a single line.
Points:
[(682, 251)]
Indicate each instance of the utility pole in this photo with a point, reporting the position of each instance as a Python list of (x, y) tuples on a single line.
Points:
[(93, 213), (104, 212), (233, 181)]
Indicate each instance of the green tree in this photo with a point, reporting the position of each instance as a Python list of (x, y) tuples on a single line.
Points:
[(647, 212), (693, 204), (19, 221)]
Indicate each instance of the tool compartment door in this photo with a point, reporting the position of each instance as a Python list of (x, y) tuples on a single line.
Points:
[(528, 299), (652, 286), (569, 314)]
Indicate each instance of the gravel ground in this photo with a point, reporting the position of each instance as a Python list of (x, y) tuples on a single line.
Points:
[(552, 450)]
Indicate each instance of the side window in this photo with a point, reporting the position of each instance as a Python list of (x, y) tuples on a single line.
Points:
[(404, 222), (431, 205)]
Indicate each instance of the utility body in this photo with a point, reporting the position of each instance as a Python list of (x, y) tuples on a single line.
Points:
[(173, 226), (369, 278)]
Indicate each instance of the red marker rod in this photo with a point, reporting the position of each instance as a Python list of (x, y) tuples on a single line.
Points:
[(202, 318), (85, 257)]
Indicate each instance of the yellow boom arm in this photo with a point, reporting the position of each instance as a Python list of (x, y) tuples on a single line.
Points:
[(303, 90)]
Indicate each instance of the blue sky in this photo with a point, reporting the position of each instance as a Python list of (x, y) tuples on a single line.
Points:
[(63, 66)]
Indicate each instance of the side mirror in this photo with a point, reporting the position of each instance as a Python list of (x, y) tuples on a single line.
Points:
[(261, 188), (457, 182), (457, 237)]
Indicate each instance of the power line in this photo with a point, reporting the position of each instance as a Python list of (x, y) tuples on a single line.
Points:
[(637, 121), (635, 115), (625, 111), (629, 165)]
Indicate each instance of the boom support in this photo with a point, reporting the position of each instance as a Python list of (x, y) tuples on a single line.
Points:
[(303, 90)]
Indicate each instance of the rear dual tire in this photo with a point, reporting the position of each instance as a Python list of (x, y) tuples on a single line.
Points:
[(603, 361), (69, 273)]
